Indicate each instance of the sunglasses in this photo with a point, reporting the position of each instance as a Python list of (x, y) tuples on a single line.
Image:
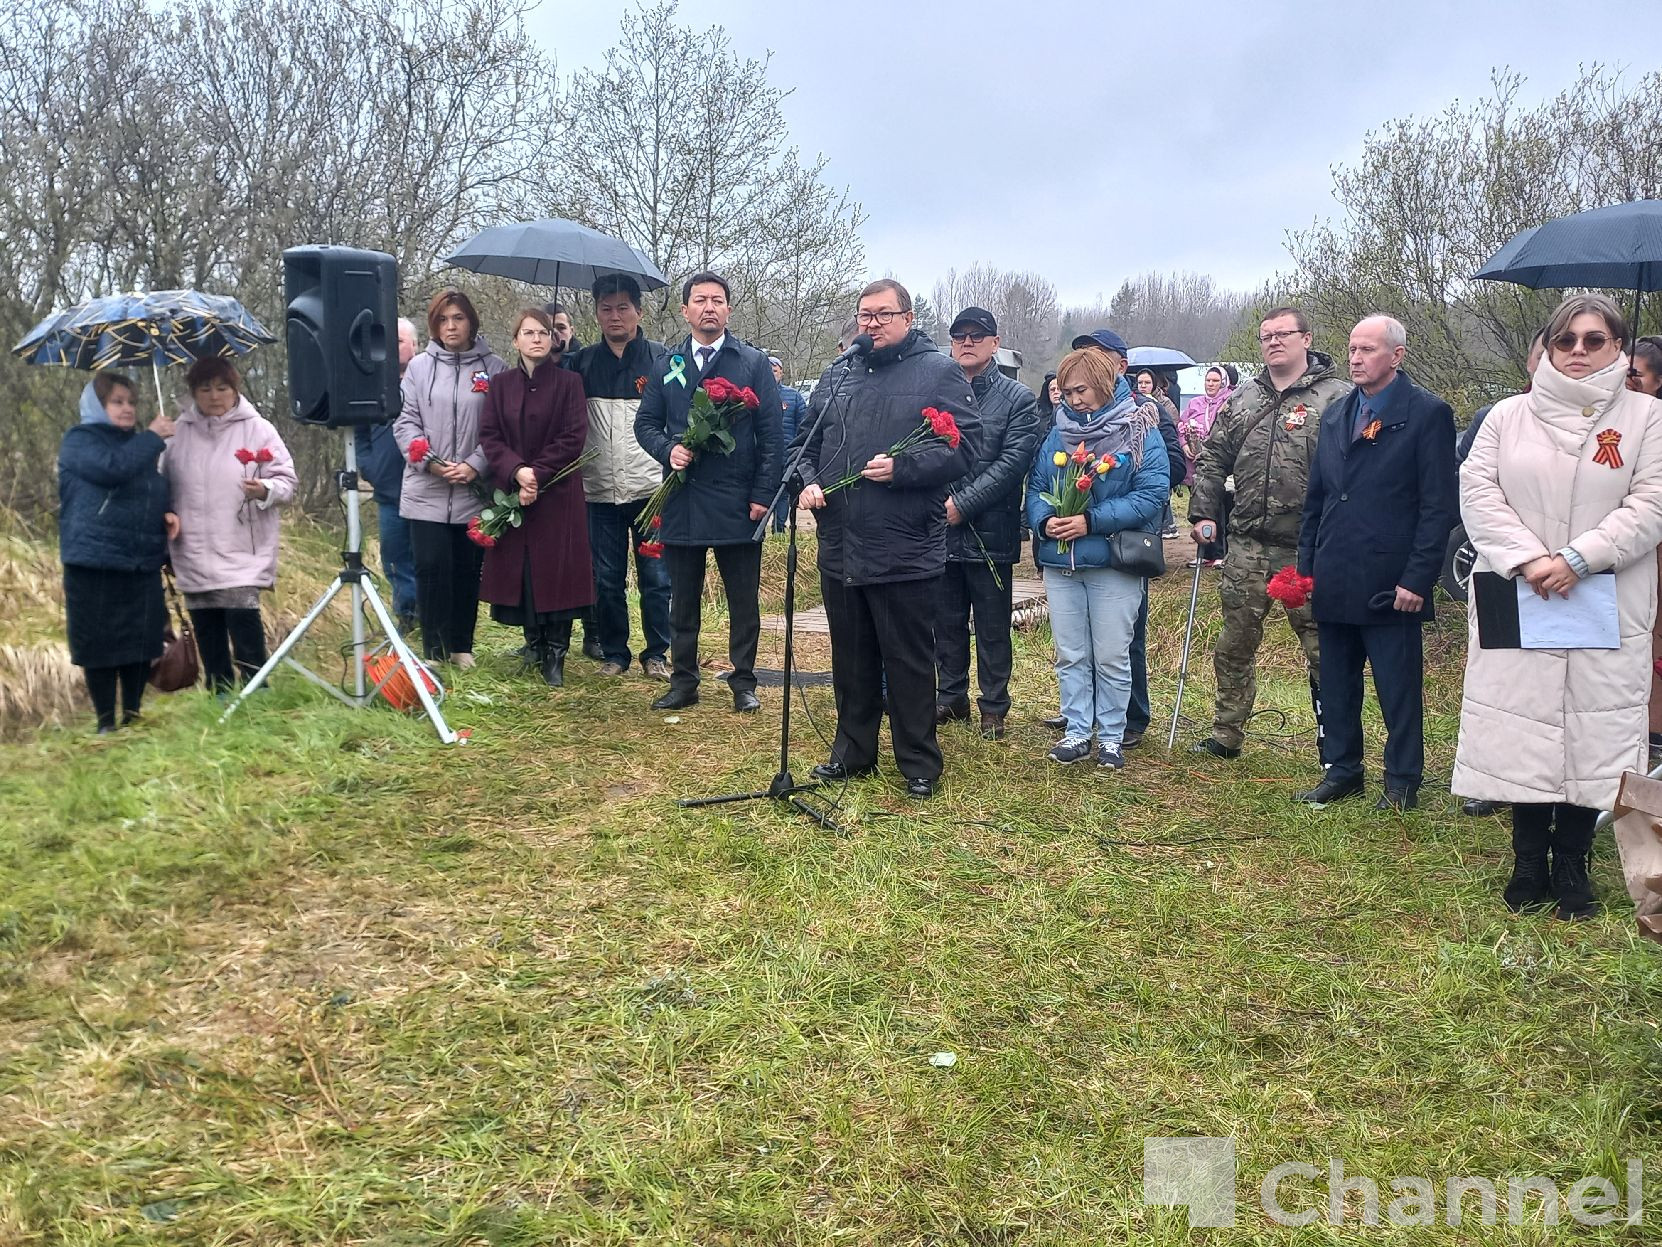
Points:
[(1594, 342), (974, 339)]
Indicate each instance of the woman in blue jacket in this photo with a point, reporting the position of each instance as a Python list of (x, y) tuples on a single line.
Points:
[(113, 527), (1093, 605)]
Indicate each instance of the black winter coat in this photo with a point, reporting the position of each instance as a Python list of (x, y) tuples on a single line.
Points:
[(990, 497), (872, 533), (380, 461), (712, 506), (111, 499), (1377, 512)]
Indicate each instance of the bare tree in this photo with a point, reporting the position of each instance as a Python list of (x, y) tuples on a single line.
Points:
[(1023, 303)]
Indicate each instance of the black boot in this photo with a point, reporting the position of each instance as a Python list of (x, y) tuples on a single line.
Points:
[(556, 640), (535, 648), (1530, 886), (1572, 852)]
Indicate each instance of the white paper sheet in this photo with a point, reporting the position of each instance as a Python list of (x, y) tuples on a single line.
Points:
[(1584, 620)]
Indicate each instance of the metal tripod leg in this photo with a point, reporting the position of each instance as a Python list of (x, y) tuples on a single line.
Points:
[(1188, 638)]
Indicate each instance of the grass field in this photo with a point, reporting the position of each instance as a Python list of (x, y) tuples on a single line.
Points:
[(311, 978)]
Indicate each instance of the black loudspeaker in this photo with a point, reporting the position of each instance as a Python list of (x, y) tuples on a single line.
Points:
[(342, 334)]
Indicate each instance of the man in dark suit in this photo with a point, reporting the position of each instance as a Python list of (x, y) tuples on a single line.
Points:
[(1381, 499), (724, 495)]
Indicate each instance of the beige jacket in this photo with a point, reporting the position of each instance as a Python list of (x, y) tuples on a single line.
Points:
[(1562, 725)]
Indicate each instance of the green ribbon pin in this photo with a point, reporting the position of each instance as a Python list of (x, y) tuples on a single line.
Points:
[(677, 370)]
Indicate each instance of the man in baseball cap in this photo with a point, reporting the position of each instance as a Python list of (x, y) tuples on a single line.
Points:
[(1108, 340)]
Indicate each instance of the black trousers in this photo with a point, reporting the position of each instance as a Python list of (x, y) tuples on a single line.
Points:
[(101, 685), (447, 586), (1545, 822), (1394, 653), (968, 589), (741, 577), (218, 632), (879, 630)]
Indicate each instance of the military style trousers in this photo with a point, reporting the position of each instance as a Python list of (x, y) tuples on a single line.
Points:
[(1246, 601)]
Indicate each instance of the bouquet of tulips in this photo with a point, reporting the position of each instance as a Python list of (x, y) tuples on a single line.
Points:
[(937, 424), (717, 405), (502, 506), (1070, 489)]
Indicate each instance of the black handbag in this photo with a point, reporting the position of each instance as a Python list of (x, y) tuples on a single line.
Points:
[(1137, 553)]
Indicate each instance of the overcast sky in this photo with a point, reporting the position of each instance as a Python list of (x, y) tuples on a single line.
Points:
[(1011, 133)]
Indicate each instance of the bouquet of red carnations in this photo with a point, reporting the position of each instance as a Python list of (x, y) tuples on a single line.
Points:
[(503, 509), (937, 424), (717, 405), (1070, 489), (1289, 588)]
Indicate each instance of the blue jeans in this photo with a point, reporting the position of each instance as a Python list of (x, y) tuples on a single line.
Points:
[(397, 559), (1093, 612), (613, 535)]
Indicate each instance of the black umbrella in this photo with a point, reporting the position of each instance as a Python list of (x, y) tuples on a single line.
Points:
[(554, 252), (1614, 248)]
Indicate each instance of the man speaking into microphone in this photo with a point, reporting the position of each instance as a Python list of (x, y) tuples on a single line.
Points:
[(882, 537)]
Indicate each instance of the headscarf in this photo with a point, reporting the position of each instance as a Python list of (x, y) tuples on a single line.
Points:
[(1117, 429), (92, 411), (1200, 413)]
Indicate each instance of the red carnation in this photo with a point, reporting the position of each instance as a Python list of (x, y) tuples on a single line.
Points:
[(478, 536), (657, 521), (244, 455), (420, 447), (1289, 588), (747, 396), (263, 455), (943, 425), (651, 549)]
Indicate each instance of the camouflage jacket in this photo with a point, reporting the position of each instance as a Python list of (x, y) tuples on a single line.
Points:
[(1265, 440)]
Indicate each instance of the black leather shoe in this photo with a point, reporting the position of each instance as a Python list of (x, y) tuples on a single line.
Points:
[(591, 649), (1132, 738), (1214, 747), (920, 789), (677, 699), (1397, 799), (1330, 790), (1473, 808), (1055, 723), (992, 727), (746, 703), (946, 714), (834, 772)]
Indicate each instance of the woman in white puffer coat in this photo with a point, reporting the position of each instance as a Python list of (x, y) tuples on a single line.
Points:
[(1562, 483)]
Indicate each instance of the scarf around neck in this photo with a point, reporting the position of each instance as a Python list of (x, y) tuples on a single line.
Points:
[(1117, 429)]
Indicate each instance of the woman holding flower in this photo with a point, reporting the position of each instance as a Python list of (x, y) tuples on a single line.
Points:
[(444, 389), (538, 575), (228, 472), (1105, 461)]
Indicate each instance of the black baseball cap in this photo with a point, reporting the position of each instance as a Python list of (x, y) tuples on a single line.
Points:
[(1107, 339), (977, 318)]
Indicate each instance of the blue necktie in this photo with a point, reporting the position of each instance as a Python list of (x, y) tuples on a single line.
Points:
[(1363, 417)]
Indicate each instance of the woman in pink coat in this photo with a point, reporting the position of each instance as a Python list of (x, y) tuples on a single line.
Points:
[(228, 472), (1200, 414)]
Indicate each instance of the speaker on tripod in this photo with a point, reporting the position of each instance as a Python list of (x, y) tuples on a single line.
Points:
[(343, 372)]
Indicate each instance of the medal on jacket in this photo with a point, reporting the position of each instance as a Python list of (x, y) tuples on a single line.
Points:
[(1608, 454), (677, 370), (1295, 418), (481, 382)]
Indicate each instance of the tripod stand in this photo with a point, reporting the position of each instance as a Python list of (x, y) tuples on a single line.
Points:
[(352, 574), (784, 787)]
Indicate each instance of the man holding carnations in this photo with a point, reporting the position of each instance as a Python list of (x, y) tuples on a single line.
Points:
[(882, 539), (724, 490)]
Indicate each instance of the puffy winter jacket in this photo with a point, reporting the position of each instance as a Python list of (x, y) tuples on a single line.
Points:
[(1265, 438), (444, 392), (880, 533), (1125, 498), (225, 541), (622, 470), (111, 499), (989, 498)]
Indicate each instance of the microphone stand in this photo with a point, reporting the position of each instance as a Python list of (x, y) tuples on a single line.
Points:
[(784, 787)]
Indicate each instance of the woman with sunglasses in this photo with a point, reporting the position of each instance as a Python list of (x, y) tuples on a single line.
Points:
[(1563, 483)]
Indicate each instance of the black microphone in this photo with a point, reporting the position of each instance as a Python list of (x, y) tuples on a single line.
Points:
[(859, 346)]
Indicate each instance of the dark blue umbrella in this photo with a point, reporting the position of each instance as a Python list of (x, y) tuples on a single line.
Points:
[(554, 252), (1614, 248), (131, 330)]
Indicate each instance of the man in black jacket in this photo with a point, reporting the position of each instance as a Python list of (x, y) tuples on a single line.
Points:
[(381, 464), (882, 537), (722, 497), (1380, 502), (983, 534)]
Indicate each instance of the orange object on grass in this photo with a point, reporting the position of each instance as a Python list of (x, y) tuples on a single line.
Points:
[(398, 690)]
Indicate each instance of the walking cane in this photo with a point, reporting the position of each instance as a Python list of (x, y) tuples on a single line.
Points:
[(1207, 529)]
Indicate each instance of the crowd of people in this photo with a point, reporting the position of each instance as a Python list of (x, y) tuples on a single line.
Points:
[(1328, 491)]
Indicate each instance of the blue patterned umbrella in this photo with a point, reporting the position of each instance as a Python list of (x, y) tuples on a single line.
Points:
[(132, 330)]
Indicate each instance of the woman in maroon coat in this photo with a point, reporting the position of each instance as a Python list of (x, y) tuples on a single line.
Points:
[(538, 576)]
